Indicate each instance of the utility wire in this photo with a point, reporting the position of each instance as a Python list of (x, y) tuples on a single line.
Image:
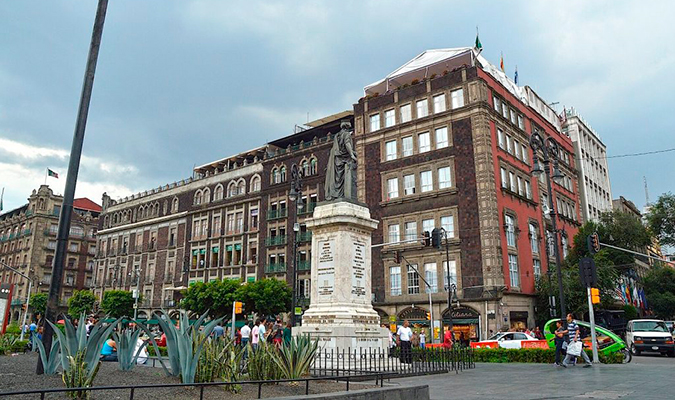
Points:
[(589, 157)]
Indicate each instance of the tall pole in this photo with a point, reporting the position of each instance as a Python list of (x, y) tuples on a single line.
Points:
[(556, 237), (71, 178), (137, 271), (447, 268), (295, 195)]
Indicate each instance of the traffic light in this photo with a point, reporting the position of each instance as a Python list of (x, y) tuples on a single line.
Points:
[(595, 295), (238, 307), (436, 237), (593, 243), (429, 316), (397, 257), (427, 239)]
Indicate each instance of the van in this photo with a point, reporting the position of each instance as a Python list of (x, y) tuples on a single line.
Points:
[(649, 335)]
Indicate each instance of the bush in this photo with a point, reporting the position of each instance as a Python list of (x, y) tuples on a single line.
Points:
[(13, 329), (545, 356), (162, 351)]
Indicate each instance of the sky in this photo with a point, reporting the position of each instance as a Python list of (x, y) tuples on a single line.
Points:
[(185, 82)]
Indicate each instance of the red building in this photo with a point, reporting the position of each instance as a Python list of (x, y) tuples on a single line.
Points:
[(444, 141)]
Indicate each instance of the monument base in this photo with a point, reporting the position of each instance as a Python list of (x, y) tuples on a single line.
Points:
[(347, 338)]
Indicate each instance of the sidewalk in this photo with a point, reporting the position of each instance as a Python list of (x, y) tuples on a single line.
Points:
[(650, 379)]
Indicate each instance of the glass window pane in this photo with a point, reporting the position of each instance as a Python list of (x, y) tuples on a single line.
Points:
[(441, 137), (426, 181), (457, 98)]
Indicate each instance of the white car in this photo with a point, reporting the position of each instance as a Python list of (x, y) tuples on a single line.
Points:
[(510, 340), (649, 335)]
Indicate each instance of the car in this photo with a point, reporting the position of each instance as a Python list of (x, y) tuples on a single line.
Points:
[(608, 341), (510, 340), (649, 335)]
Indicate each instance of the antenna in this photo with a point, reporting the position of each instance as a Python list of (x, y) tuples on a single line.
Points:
[(646, 190)]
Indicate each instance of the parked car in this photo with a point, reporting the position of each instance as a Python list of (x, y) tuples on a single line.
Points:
[(510, 340), (649, 335)]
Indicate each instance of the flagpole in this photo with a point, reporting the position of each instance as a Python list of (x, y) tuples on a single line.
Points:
[(46, 175), (2, 197)]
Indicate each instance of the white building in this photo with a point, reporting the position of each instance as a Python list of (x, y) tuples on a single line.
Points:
[(591, 161)]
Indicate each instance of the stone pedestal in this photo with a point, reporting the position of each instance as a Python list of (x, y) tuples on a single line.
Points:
[(341, 314)]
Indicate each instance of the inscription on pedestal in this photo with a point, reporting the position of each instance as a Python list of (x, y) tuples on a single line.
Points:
[(358, 269), (326, 270)]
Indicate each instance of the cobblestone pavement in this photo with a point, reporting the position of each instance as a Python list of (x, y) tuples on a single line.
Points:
[(646, 377)]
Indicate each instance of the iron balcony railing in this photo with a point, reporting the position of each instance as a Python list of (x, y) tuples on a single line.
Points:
[(275, 267), (308, 208), (305, 237), (278, 240), (278, 213)]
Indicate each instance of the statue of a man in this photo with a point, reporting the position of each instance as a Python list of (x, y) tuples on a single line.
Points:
[(341, 169)]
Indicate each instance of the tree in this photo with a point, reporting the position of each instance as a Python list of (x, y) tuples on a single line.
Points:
[(118, 303), (38, 303), (81, 302), (215, 297), (265, 297), (661, 219), (659, 286)]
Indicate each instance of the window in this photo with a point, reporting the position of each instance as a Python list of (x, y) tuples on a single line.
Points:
[(534, 238), (505, 110), (563, 239), (428, 225), (528, 190), (521, 188), (426, 181), (509, 144), (512, 182), (500, 138), (441, 137), (282, 174), (389, 118), (439, 103), (453, 273), (392, 188), (505, 182), (390, 150), (253, 219), (395, 280), (497, 104), (374, 122), (422, 108), (423, 143), (516, 148), (510, 231), (536, 264), (413, 280), (255, 184), (457, 97), (410, 230), (513, 270), (218, 193), (448, 223), (409, 184), (521, 124), (550, 239), (312, 167), (174, 205), (406, 114), (525, 157), (394, 236), (407, 143), (513, 116), (430, 275), (444, 178)]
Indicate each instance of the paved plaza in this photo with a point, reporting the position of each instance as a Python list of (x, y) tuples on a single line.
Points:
[(646, 377)]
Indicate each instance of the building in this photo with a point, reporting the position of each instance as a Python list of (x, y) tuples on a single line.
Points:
[(443, 142), (28, 243), (591, 160), (233, 219)]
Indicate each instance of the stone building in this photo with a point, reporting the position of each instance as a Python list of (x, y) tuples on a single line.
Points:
[(590, 157), (443, 142), (28, 243)]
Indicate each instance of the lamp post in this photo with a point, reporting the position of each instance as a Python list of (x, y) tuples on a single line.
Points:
[(295, 195), (550, 150), (137, 275)]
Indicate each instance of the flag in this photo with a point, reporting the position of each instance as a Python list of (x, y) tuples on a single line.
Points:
[(52, 173), (515, 78), (479, 45), (501, 62)]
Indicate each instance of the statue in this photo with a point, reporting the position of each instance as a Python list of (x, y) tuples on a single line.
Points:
[(341, 169)]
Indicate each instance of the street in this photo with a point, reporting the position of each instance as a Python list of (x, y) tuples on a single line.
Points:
[(646, 377)]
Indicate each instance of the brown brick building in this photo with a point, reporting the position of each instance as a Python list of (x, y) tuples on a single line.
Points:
[(28, 244), (443, 142)]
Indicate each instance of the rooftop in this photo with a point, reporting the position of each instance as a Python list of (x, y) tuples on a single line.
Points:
[(86, 204)]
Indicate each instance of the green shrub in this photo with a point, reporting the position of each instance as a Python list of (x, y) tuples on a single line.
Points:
[(545, 356), (162, 352), (13, 329), (261, 365)]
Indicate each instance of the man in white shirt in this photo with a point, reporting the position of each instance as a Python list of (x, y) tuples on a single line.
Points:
[(405, 334), (245, 334), (423, 339)]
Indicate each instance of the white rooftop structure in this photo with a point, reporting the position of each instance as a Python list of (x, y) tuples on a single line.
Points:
[(435, 62)]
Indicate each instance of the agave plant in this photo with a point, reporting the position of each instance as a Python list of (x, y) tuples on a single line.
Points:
[(78, 376), (261, 365), (49, 364), (231, 366), (127, 355), (185, 343), (75, 340), (295, 359)]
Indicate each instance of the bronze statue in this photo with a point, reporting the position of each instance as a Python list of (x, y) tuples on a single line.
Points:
[(341, 169)]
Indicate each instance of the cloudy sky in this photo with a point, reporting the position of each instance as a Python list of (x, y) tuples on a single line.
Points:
[(185, 82)]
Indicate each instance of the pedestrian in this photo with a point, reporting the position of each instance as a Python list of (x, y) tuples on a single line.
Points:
[(261, 331), (538, 334), (560, 339), (109, 351), (218, 331), (405, 335), (423, 339), (573, 333), (287, 334), (255, 335), (245, 334), (277, 337), (448, 339)]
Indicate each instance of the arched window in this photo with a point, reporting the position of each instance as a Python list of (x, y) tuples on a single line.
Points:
[(231, 189), (275, 175), (282, 174), (206, 196), (174, 206), (305, 167), (198, 197), (255, 184), (312, 166), (241, 187), (218, 193), (165, 207)]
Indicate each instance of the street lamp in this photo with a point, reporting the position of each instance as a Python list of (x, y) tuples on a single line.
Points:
[(295, 195), (550, 150)]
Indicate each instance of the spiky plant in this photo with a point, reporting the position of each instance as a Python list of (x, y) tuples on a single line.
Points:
[(127, 355), (261, 365), (231, 366), (185, 343), (295, 358), (49, 364), (78, 375)]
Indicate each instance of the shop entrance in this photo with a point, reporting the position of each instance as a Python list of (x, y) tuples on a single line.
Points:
[(464, 324), (518, 320)]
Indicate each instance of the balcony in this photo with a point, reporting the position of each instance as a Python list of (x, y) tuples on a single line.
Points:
[(276, 214), (279, 240), (304, 237), (275, 268), (307, 208), (304, 265)]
